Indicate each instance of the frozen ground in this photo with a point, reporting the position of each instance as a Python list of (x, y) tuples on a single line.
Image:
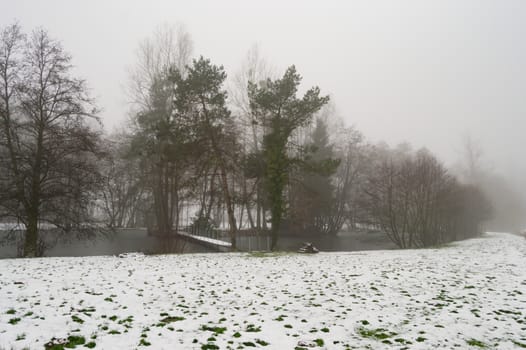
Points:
[(468, 295)]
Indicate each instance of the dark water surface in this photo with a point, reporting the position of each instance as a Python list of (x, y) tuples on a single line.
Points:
[(122, 241), (137, 240)]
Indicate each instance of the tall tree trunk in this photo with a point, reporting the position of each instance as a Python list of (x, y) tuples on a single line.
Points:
[(177, 206), (277, 179), (276, 209), (208, 212), (229, 206), (33, 207), (246, 200), (218, 150), (276, 220), (161, 204), (31, 237), (249, 216), (258, 207)]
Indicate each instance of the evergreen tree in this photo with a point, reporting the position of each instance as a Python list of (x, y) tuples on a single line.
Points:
[(315, 192), (275, 104), (200, 95)]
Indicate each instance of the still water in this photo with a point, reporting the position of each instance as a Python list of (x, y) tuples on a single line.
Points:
[(137, 240)]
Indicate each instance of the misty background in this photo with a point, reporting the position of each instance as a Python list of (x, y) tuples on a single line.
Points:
[(431, 73)]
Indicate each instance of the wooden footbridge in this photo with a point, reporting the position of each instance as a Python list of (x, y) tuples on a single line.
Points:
[(214, 244)]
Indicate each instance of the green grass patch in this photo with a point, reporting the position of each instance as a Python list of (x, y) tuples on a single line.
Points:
[(144, 342), (215, 329), (252, 328), (70, 343), (477, 343), (519, 344), (77, 319), (378, 333), (74, 340), (14, 321), (319, 342), (209, 347), (262, 342), (170, 319)]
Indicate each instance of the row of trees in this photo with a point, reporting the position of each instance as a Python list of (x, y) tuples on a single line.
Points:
[(255, 152), (417, 203)]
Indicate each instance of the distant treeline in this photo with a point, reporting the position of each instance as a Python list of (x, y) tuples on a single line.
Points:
[(254, 154)]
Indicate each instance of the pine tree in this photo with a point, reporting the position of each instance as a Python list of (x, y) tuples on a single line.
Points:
[(281, 112)]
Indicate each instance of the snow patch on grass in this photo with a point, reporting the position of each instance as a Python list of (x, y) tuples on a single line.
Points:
[(468, 295)]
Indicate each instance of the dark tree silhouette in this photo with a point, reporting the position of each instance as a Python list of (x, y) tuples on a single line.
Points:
[(48, 148)]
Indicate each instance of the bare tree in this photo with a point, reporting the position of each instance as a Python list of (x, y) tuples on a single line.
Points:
[(50, 146), (170, 47), (349, 177), (253, 70), (123, 187), (472, 155), (12, 180), (157, 137), (413, 198)]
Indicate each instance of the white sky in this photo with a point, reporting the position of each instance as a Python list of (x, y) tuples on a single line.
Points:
[(427, 72)]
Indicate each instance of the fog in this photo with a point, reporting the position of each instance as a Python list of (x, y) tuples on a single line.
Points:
[(431, 73)]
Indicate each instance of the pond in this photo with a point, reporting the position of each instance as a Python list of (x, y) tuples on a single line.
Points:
[(122, 241), (137, 240)]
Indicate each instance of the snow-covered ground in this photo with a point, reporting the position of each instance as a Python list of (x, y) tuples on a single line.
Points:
[(470, 294)]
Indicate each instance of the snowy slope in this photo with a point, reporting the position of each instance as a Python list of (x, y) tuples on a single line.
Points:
[(466, 295)]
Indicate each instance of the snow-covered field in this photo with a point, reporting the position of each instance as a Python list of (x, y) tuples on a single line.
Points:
[(468, 295)]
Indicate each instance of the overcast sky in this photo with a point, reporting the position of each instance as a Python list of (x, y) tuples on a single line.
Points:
[(427, 72)]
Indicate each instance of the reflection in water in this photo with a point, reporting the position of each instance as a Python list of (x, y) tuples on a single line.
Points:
[(343, 241), (137, 240), (122, 241)]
